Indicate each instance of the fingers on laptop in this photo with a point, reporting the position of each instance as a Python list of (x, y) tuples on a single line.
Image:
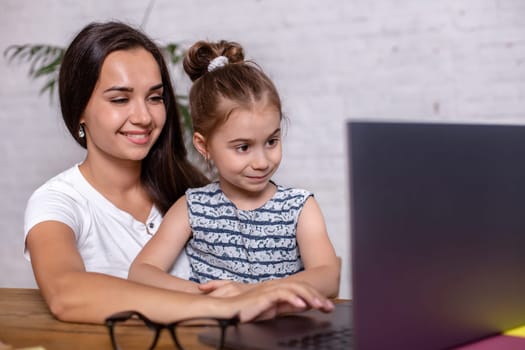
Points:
[(268, 300)]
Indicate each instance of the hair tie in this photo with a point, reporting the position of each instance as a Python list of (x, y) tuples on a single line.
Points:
[(217, 62)]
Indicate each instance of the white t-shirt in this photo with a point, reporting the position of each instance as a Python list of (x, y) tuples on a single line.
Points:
[(107, 238)]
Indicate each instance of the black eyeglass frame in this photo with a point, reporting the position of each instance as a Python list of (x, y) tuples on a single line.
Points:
[(123, 316)]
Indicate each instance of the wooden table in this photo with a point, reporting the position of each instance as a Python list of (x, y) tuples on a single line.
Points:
[(25, 322)]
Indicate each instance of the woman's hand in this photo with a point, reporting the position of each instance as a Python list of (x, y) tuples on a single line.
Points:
[(267, 300)]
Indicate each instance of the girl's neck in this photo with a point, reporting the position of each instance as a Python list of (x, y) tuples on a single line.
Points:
[(245, 200)]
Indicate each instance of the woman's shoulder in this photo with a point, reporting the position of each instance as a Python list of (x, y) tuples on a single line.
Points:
[(57, 199), (65, 183)]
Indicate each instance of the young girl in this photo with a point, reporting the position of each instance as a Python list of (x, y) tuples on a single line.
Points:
[(244, 228)]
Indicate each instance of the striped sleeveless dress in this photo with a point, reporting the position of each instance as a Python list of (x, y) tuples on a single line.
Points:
[(243, 245)]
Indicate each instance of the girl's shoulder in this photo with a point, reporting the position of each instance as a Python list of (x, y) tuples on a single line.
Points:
[(286, 198), (210, 188), (208, 192), (285, 192)]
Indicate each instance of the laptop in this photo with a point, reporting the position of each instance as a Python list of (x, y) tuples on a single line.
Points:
[(437, 214)]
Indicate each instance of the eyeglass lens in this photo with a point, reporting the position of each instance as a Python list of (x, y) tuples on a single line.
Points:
[(194, 327), (133, 334)]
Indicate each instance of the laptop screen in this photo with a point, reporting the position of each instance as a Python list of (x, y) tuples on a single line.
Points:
[(438, 232)]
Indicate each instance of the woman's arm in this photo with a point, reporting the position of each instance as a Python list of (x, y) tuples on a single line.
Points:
[(158, 255), (75, 295)]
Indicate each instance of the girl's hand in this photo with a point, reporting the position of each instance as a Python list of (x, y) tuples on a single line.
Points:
[(224, 288)]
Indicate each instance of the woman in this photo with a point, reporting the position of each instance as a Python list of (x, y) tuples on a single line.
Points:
[(84, 227)]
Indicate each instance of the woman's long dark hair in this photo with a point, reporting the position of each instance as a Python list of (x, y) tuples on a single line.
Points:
[(166, 171)]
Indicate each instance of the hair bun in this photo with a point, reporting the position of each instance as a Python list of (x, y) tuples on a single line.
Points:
[(200, 55)]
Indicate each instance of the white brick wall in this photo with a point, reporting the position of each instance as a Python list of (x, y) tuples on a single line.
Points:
[(332, 60)]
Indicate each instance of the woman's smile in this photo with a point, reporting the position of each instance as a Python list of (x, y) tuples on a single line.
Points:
[(138, 137)]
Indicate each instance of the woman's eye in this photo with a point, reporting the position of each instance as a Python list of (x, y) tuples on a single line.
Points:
[(157, 98), (119, 100)]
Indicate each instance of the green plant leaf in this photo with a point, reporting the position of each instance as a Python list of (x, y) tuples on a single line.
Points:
[(44, 61), (173, 53)]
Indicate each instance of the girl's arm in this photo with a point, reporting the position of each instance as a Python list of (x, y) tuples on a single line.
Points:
[(75, 295), (158, 255), (322, 268)]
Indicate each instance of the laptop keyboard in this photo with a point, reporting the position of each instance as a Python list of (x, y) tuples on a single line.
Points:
[(334, 340)]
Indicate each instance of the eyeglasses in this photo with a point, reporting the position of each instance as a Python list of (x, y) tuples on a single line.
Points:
[(133, 330)]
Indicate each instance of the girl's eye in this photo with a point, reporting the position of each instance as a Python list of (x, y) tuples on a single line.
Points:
[(273, 142), (242, 148)]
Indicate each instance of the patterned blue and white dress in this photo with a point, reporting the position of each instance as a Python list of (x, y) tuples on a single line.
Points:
[(243, 245)]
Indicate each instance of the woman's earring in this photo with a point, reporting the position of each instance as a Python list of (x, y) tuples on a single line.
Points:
[(81, 132)]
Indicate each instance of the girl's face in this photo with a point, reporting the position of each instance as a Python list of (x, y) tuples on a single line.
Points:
[(246, 149), (125, 113)]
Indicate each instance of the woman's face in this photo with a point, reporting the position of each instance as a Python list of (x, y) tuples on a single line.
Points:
[(125, 113)]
